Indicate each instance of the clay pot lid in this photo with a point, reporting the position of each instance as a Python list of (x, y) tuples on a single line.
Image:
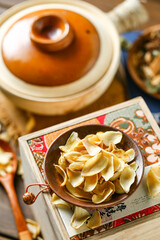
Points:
[(50, 47)]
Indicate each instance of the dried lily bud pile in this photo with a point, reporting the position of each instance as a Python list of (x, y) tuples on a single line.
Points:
[(147, 61), (94, 168)]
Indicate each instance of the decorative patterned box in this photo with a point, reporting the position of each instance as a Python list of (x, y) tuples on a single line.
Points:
[(134, 118)]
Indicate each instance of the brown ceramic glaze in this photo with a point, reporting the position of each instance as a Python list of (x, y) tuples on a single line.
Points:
[(54, 179), (31, 64), (130, 61), (8, 183), (51, 32)]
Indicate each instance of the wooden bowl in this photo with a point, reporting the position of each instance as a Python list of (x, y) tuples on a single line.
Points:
[(131, 60), (53, 155)]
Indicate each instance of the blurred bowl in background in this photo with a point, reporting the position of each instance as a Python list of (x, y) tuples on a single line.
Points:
[(144, 61)]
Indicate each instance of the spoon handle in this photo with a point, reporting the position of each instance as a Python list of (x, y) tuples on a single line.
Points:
[(23, 231)]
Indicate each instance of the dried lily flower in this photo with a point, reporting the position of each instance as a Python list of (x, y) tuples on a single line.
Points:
[(94, 221), (58, 201), (33, 227), (153, 180), (19, 168), (5, 162), (79, 217), (93, 164)]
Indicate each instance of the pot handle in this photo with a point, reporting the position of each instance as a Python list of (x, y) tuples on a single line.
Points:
[(29, 198), (128, 15)]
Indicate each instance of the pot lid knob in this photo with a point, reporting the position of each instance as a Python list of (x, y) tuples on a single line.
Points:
[(51, 32)]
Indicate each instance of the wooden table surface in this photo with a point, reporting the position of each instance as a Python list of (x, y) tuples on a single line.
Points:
[(7, 224)]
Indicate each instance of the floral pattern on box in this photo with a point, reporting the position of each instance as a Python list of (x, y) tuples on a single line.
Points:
[(132, 121)]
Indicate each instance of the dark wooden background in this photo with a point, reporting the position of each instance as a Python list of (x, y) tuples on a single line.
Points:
[(7, 224)]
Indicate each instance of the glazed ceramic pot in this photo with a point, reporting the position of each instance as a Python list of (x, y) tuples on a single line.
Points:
[(59, 56)]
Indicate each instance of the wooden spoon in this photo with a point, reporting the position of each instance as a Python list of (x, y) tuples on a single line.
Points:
[(7, 182)]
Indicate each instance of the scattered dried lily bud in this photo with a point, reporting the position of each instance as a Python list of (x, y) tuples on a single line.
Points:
[(127, 178), (134, 165), (75, 177), (107, 192), (90, 183), (20, 169), (108, 171), (79, 217), (62, 173), (58, 201), (76, 166), (72, 141), (153, 180), (28, 198), (39, 238), (94, 165), (118, 187), (95, 220), (63, 163), (77, 192), (110, 137), (115, 176), (91, 148), (101, 179), (5, 162), (33, 227)]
